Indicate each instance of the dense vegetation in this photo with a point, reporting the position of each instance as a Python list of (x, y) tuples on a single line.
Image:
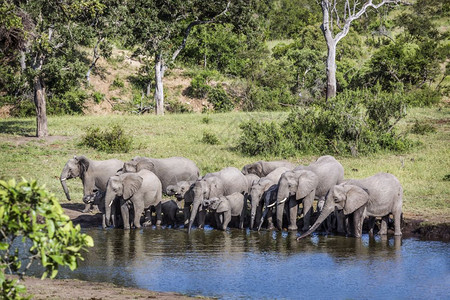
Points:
[(239, 55)]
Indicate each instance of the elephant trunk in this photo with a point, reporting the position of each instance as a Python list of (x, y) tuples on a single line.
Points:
[(327, 210), (63, 178), (109, 199), (195, 207), (263, 217), (281, 199), (255, 201)]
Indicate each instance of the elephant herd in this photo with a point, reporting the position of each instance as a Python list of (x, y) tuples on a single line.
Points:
[(126, 191)]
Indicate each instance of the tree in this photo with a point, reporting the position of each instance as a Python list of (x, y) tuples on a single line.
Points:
[(341, 14), (28, 213), (161, 29), (49, 38)]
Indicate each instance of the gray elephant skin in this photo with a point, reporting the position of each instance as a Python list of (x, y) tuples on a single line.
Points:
[(225, 207), (183, 190), (213, 185), (375, 196), (258, 190), (94, 174), (169, 170), (297, 186), (263, 168), (143, 189), (98, 199)]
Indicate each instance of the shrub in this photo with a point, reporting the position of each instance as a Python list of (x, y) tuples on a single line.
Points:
[(98, 97), (210, 138), (343, 125), (220, 99), (29, 213), (110, 141), (71, 103), (199, 87), (206, 119), (118, 83), (422, 128), (176, 106)]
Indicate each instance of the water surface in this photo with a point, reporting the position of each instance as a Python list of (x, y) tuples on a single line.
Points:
[(267, 265)]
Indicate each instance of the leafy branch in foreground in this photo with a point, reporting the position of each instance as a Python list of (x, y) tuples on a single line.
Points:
[(34, 227)]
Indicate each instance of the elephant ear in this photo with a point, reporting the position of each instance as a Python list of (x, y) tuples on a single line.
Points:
[(307, 182), (222, 205), (356, 198), (131, 183), (259, 168), (83, 162), (215, 186), (145, 164)]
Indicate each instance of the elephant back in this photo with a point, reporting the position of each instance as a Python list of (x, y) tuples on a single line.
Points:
[(330, 172), (233, 181)]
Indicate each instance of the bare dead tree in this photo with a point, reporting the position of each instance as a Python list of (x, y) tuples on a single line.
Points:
[(338, 15)]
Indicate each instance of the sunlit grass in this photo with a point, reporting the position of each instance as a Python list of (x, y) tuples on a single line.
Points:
[(421, 171)]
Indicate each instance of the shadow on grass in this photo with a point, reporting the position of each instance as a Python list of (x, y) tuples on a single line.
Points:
[(23, 128)]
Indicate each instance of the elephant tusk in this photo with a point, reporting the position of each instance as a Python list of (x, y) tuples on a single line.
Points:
[(271, 205), (282, 201), (62, 179), (110, 203)]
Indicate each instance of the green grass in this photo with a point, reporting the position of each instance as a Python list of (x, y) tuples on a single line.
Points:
[(421, 171)]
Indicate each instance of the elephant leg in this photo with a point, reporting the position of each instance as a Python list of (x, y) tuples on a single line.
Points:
[(125, 212), (270, 215), (258, 216), (293, 209), (358, 219), (371, 225), (397, 222), (187, 214), (307, 210), (340, 220), (87, 207), (218, 222), (158, 214), (384, 222), (226, 219), (351, 224), (103, 221), (201, 218), (138, 210)]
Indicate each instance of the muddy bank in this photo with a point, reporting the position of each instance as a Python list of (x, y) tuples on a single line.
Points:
[(77, 289), (410, 227)]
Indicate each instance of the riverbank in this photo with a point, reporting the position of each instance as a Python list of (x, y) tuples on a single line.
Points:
[(77, 289)]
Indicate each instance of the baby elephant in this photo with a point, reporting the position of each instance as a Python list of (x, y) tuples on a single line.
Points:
[(226, 207)]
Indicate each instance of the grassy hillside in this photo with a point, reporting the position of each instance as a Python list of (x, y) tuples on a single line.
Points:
[(421, 171)]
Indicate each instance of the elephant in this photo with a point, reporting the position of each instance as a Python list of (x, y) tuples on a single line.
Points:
[(251, 180), (98, 198), (225, 207), (258, 190), (222, 183), (375, 196), (299, 186), (169, 210), (183, 190), (269, 200), (94, 174), (169, 170), (142, 189), (263, 168)]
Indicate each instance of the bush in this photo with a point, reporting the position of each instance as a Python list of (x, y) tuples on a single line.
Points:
[(199, 87), (422, 128), (220, 99), (343, 125), (176, 106), (29, 212), (109, 141), (210, 138)]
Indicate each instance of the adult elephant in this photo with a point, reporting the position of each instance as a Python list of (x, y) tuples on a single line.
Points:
[(94, 174), (375, 196), (299, 185), (143, 189), (169, 170), (263, 168), (213, 185), (258, 190)]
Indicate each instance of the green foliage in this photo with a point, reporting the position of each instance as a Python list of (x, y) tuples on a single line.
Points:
[(28, 213), (71, 102), (219, 98), (264, 98), (113, 140), (206, 119), (118, 83), (98, 97), (178, 107), (199, 87), (210, 138), (351, 123), (422, 128)]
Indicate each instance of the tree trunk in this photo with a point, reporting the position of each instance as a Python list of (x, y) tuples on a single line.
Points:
[(41, 110), (331, 70), (159, 88)]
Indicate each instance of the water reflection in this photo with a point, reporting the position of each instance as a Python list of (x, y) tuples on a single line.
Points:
[(267, 264)]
